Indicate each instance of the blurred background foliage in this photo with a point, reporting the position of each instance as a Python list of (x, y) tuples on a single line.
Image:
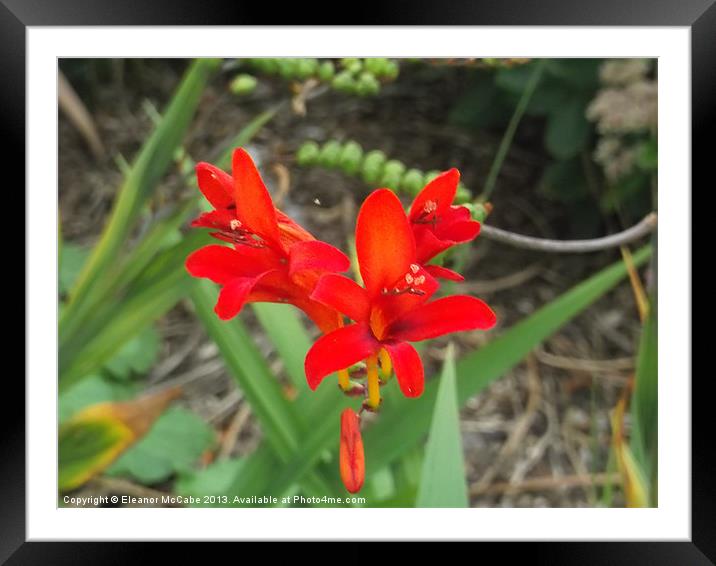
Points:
[(564, 146)]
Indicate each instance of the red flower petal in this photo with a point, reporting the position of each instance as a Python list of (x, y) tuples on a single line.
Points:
[(325, 318), (344, 295), (291, 231), (450, 314), (315, 254), (441, 272), (458, 231), (253, 202), (234, 295), (352, 455), (441, 191), (384, 241), (338, 350), (216, 185), (408, 368), (222, 264), (427, 244)]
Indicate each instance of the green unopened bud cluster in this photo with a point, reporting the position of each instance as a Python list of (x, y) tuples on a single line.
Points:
[(361, 77), (373, 167)]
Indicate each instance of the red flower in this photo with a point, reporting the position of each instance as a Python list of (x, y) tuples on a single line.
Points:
[(438, 224), (273, 258), (392, 309), (352, 456)]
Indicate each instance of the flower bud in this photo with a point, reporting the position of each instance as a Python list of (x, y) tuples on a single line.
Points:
[(412, 182), (392, 173), (351, 158), (330, 152), (326, 71), (352, 456), (373, 167), (242, 85), (308, 154)]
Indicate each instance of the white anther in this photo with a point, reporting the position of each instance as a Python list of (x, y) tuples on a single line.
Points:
[(430, 206), (408, 278), (419, 280), (414, 267), (235, 224)]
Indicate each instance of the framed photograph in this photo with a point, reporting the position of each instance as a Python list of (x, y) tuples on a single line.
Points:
[(365, 282)]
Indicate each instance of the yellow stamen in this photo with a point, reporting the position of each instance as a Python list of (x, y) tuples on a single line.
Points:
[(386, 366), (373, 382), (344, 379)]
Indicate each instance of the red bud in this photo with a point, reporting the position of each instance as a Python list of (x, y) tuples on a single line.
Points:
[(352, 457)]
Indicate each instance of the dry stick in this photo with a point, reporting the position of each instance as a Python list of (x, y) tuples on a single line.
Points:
[(79, 116), (646, 226)]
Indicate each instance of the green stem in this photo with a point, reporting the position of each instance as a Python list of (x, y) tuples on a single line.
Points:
[(509, 134)]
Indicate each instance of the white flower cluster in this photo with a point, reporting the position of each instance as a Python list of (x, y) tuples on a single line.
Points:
[(627, 105)]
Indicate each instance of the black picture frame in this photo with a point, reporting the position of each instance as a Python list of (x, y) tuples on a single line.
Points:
[(17, 15)]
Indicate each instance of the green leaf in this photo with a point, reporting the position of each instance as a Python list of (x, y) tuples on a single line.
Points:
[(174, 444), (136, 356), (215, 479), (567, 129), (71, 261), (443, 479)]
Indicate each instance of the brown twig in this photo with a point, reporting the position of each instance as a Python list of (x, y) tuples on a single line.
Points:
[(78, 115), (636, 232)]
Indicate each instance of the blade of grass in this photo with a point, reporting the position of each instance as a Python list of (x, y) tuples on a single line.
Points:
[(645, 403), (442, 482)]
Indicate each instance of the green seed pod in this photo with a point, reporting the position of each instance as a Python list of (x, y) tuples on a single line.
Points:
[(348, 61), (375, 65), (243, 84), (270, 65), (343, 82), (373, 166), (412, 182), (392, 174), (367, 85), (308, 154), (351, 158), (330, 152), (463, 194), (306, 68), (391, 70), (287, 68), (326, 71), (477, 211)]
